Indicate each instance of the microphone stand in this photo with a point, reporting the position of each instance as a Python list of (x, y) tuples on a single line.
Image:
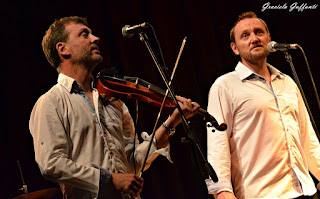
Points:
[(190, 134), (296, 78), (24, 185)]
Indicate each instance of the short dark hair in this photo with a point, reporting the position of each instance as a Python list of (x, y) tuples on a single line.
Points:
[(56, 33), (242, 16)]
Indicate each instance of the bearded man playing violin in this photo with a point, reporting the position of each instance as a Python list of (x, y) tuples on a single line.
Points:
[(82, 144)]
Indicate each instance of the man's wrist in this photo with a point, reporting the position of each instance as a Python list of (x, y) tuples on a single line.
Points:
[(169, 130)]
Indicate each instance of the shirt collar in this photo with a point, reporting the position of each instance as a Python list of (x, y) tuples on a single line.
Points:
[(245, 72), (69, 83)]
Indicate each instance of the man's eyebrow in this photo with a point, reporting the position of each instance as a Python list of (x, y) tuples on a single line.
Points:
[(85, 30), (254, 29), (245, 30)]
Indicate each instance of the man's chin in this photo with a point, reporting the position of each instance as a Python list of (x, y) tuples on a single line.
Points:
[(98, 58), (94, 62), (261, 54)]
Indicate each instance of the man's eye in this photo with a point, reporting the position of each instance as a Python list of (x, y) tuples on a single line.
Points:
[(84, 34), (244, 35)]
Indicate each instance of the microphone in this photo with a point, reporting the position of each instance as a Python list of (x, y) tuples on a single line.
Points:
[(128, 31), (274, 46)]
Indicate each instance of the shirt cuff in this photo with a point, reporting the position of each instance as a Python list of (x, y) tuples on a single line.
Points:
[(105, 177), (105, 185), (223, 184), (154, 152)]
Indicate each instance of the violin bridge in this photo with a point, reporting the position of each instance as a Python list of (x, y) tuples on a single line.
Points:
[(136, 82)]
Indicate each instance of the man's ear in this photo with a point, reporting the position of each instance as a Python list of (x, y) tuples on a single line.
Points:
[(234, 48), (62, 49)]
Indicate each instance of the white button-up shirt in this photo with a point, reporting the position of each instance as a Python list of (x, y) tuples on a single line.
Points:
[(74, 139), (269, 146)]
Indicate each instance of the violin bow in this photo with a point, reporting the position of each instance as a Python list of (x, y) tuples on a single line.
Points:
[(162, 105)]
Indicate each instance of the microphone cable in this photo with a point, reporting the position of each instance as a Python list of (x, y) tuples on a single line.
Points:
[(289, 60)]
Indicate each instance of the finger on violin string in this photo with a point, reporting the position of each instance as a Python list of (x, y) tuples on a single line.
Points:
[(180, 98), (183, 99), (195, 106), (189, 102)]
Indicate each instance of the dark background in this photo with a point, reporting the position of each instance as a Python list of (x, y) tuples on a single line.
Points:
[(25, 73)]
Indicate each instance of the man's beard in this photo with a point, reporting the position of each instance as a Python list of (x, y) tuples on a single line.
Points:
[(254, 58), (88, 61)]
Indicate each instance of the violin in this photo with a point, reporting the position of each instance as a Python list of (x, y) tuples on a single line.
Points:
[(113, 87)]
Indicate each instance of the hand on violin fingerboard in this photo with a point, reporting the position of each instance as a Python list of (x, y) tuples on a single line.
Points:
[(188, 107)]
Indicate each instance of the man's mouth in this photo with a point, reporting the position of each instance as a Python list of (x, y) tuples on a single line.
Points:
[(95, 48), (257, 46)]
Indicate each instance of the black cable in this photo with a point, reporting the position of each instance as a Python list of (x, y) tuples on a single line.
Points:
[(310, 74), (289, 60), (160, 50)]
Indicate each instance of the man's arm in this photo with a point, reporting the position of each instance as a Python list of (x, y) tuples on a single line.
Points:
[(309, 139), (226, 195), (52, 148), (188, 108), (218, 143)]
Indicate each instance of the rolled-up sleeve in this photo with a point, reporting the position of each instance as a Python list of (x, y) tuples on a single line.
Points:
[(142, 148)]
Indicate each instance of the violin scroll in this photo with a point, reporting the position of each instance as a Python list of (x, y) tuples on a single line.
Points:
[(212, 122)]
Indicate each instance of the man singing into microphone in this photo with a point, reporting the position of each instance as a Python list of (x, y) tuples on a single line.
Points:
[(270, 145), (80, 142)]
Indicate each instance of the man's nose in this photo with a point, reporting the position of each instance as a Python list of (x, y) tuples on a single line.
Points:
[(254, 38), (95, 39)]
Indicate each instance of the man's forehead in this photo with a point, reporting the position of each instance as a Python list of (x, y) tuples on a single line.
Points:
[(72, 26), (248, 23)]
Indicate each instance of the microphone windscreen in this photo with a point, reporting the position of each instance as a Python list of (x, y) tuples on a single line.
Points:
[(125, 31), (270, 46)]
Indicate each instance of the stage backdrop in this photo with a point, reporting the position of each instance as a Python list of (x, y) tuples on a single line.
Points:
[(25, 73)]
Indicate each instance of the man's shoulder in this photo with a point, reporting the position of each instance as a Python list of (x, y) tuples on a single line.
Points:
[(227, 78), (53, 94)]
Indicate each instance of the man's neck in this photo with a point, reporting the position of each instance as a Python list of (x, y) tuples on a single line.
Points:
[(80, 74)]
